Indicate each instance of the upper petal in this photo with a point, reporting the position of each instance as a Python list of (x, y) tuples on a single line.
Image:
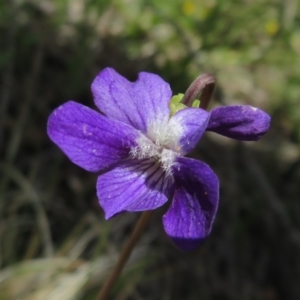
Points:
[(185, 129), (138, 104), (241, 122), (133, 185), (88, 138), (191, 214)]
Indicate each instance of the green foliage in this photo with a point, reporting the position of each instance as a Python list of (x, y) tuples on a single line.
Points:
[(176, 105)]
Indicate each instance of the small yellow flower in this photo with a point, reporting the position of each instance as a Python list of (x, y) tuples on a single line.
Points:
[(188, 7), (272, 27)]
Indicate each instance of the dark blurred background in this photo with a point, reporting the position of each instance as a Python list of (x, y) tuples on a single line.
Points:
[(54, 241)]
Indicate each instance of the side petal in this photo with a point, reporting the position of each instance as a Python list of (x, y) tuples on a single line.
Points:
[(138, 104), (88, 138), (189, 219), (240, 122), (185, 129), (134, 185)]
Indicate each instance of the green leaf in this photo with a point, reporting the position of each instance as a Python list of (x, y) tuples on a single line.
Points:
[(175, 104)]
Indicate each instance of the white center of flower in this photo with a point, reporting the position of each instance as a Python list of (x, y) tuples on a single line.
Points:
[(161, 146)]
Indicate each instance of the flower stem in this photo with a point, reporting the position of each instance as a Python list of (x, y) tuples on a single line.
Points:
[(203, 87), (125, 254)]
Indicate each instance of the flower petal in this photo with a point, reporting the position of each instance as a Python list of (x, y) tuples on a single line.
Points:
[(134, 185), (241, 122), (185, 129), (189, 219), (88, 138), (137, 103)]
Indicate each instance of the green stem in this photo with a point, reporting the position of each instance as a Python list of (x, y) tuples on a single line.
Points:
[(124, 256)]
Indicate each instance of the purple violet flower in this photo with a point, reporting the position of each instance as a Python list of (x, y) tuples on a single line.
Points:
[(139, 149)]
